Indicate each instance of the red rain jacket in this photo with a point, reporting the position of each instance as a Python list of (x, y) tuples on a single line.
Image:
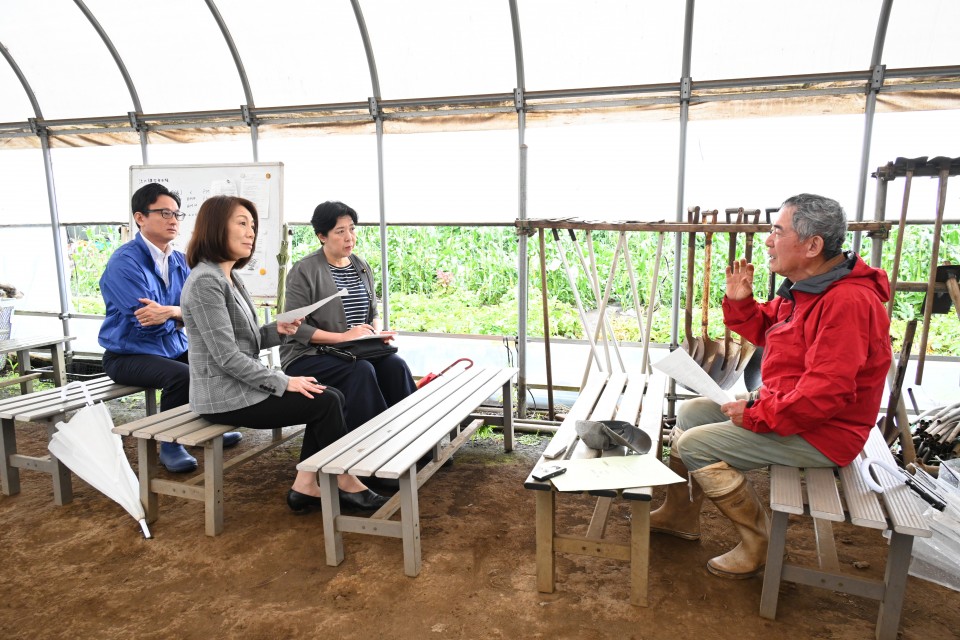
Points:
[(826, 357)]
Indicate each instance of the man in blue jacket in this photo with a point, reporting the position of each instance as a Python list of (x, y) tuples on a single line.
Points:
[(142, 334)]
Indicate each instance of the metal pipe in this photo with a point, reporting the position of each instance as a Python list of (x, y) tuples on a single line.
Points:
[(546, 323)]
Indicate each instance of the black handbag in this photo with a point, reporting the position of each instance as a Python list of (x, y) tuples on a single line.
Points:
[(357, 350)]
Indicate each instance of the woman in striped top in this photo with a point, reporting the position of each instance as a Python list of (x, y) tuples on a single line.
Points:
[(369, 386)]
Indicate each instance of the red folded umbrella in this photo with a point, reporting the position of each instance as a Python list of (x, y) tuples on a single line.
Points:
[(433, 376)]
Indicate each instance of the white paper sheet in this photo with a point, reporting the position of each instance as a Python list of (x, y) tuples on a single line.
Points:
[(303, 312), (682, 368), (614, 472)]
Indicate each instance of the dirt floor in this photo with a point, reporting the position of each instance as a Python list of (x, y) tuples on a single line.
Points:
[(84, 570)]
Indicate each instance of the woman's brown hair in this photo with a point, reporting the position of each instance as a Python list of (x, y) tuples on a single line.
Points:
[(209, 239)]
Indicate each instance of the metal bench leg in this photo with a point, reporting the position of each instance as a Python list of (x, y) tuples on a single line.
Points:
[(546, 523), (330, 499), (9, 475), (62, 484), (639, 551), (410, 522), (507, 417), (146, 471), (895, 586), (213, 486), (773, 571)]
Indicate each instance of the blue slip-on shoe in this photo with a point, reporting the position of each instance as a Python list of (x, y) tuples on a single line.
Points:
[(175, 458), (231, 439)]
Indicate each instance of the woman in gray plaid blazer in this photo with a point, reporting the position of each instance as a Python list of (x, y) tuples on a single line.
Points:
[(228, 383)]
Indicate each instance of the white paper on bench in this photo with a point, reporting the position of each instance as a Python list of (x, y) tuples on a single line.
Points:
[(615, 472)]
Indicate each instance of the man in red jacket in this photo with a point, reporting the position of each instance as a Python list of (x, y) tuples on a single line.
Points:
[(826, 356)]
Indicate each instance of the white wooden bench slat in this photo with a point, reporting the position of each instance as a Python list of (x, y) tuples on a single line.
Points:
[(903, 515), (151, 421), (173, 434), (57, 407), (604, 409), (402, 436), (391, 447), (785, 490), (51, 397), (351, 447), (903, 508), (823, 495), (451, 420), (862, 503), (579, 411), (32, 342), (632, 399), (207, 433), (638, 400)]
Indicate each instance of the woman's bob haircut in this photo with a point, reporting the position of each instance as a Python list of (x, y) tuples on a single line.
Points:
[(209, 239)]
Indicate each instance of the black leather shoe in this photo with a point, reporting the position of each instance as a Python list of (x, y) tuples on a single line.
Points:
[(365, 500), (300, 501)]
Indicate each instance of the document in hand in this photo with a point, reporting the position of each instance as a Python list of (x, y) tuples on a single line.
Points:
[(682, 368), (303, 312)]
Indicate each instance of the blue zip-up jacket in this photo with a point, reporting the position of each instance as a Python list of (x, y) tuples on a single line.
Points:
[(132, 274)]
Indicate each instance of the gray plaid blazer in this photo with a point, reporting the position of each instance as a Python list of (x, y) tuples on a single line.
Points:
[(225, 369)]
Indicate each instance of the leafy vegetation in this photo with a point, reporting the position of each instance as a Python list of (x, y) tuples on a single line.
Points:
[(465, 279)]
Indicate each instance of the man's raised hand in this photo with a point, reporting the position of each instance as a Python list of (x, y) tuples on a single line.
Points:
[(740, 280)]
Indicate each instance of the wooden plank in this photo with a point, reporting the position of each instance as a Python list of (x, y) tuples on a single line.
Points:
[(651, 411), (823, 495), (171, 433), (338, 454), (826, 545), (581, 409), (863, 504), (55, 406), (598, 522), (159, 418), (443, 417), (632, 399), (546, 512), (32, 342), (578, 545), (785, 491), (903, 507), (205, 435), (639, 552), (19, 379), (11, 406)]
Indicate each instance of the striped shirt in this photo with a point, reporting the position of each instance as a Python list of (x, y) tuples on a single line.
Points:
[(356, 302)]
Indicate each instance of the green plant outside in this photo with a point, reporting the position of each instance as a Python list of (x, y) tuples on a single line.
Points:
[(464, 279)]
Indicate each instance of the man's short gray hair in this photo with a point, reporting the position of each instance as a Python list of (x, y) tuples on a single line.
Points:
[(815, 215)]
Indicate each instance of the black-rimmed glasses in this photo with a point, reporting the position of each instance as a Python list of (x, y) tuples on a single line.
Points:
[(167, 214)]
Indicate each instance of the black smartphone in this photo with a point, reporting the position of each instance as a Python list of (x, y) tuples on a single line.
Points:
[(548, 471)]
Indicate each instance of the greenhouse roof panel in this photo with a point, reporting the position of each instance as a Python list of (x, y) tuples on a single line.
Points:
[(64, 61), (320, 59), (441, 48), (922, 33), (597, 44), (178, 59), (757, 38)]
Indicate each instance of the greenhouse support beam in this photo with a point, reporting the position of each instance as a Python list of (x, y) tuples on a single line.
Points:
[(242, 72), (131, 88)]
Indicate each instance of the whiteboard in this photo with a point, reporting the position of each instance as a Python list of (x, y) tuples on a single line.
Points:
[(261, 183)]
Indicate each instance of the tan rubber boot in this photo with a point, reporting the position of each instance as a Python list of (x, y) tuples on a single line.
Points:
[(679, 515), (737, 499)]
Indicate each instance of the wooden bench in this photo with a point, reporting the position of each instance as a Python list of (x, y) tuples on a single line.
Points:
[(48, 407), (23, 346), (389, 446), (182, 426), (817, 493), (635, 399)]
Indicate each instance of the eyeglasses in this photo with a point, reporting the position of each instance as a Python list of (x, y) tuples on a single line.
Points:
[(167, 214)]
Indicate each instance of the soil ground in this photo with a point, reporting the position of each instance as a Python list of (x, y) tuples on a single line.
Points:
[(84, 571)]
